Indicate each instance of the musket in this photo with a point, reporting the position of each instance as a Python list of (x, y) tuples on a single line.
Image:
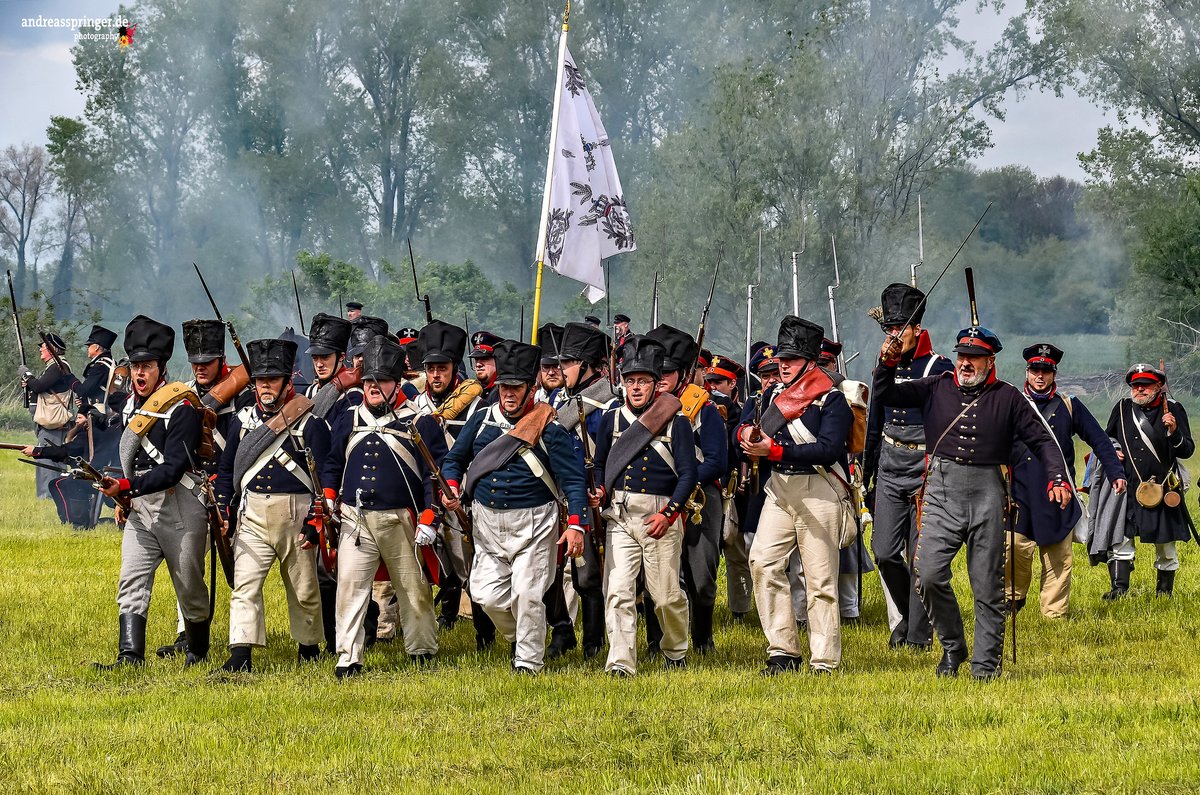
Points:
[(299, 310), (521, 326), (218, 528), (712, 288), (837, 282), (750, 479), (327, 525), (912, 269), (439, 479), (589, 468), (80, 469), (237, 342), (11, 446), (925, 297), (795, 257), (421, 298), (970, 274), (12, 297), (654, 302)]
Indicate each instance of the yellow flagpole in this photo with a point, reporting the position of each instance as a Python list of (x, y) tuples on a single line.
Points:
[(543, 226)]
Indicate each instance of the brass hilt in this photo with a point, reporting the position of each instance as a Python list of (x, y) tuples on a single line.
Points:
[(695, 504)]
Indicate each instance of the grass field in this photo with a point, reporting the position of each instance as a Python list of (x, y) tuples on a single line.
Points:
[(1103, 702)]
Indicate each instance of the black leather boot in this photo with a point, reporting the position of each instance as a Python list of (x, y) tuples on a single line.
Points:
[(1166, 583), (131, 643), (179, 646), (197, 641), (592, 619), (950, 662), (239, 660), (899, 636), (306, 653), (702, 628), (1118, 573)]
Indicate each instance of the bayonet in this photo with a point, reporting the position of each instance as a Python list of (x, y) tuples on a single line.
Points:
[(299, 310), (16, 319), (237, 342), (412, 261)]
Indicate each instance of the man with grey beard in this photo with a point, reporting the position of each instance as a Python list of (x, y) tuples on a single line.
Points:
[(972, 421), (1154, 435)]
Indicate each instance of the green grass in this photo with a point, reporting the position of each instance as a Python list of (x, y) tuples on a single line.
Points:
[(1105, 701)]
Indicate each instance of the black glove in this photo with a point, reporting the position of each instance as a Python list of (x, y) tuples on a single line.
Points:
[(309, 531)]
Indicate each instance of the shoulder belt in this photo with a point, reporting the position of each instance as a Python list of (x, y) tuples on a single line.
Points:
[(518, 440), (794, 399), (639, 435), (366, 424), (265, 444)]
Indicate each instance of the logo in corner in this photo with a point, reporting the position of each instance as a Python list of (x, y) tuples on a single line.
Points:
[(125, 35)]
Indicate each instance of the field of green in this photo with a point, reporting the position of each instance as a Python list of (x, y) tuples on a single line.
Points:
[(1105, 701)]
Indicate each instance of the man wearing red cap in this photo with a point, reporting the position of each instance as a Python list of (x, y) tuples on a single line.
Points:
[(1041, 528), (1154, 435), (972, 422)]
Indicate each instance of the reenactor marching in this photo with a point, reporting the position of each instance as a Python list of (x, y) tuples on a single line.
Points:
[(646, 462), (521, 472), (159, 498), (266, 484), (378, 477)]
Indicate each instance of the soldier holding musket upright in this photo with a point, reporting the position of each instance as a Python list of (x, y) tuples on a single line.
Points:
[(802, 446), (386, 496), (646, 463), (53, 414), (894, 463), (521, 469), (581, 349), (168, 521), (264, 473), (1155, 436), (972, 423)]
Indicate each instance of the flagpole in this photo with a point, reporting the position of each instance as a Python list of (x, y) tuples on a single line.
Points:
[(544, 223)]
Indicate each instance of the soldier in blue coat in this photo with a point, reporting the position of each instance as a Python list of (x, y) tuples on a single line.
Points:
[(519, 468), (1043, 528)]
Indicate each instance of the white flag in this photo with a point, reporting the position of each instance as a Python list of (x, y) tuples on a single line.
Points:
[(588, 216)]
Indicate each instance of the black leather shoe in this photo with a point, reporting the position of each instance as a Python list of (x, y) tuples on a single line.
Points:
[(899, 637), (483, 643), (591, 651), (652, 650), (446, 623), (781, 664), (948, 667), (1014, 606), (739, 618), (668, 663), (1166, 583), (560, 644), (985, 676), (239, 660), (178, 647), (620, 673), (706, 646), (524, 671), (421, 659), (350, 671), (308, 653)]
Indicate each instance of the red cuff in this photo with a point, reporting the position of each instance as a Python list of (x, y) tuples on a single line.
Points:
[(776, 453), (123, 483), (330, 494), (427, 517), (452, 483), (574, 519)]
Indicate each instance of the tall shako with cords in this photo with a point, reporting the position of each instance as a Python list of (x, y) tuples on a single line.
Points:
[(163, 431), (519, 468), (646, 461), (264, 476), (386, 495)]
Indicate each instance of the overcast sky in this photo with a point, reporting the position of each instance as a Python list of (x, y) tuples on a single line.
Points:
[(1042, 131)]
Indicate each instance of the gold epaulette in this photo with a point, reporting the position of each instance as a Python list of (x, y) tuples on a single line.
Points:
[(460, 399), (160, 403), (693, 399)]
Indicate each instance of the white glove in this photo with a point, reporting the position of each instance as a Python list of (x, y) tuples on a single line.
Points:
[(426, 535), (24, 372)]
